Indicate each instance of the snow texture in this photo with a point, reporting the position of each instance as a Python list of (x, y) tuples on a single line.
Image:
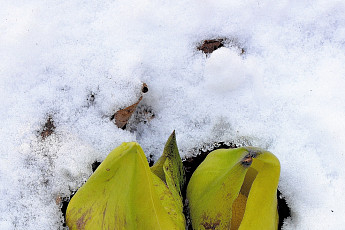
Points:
[(79, 62)]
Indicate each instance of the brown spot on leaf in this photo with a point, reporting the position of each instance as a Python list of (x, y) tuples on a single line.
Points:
[(209, 46), (104, 213), (247, 160), (81, 222), (48, 128), (210, 223)]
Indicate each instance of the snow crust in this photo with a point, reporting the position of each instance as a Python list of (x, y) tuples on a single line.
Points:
[(285, 94)]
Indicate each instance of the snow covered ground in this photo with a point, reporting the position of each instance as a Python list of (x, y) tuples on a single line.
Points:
[(285, 93)]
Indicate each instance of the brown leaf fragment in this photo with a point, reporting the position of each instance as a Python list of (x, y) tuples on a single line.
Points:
[(144, 88), (243, 51), (58, 200), (211, 45), (48, 128), (122, 116)]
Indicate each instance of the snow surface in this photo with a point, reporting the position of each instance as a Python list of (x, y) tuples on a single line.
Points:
[(285, 93)]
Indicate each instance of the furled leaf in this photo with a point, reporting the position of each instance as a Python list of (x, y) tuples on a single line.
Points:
[(169, 169), (235, 189), (169, 166)]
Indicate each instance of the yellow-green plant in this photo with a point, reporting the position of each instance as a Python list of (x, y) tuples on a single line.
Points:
[(124, 193), (235, 189)]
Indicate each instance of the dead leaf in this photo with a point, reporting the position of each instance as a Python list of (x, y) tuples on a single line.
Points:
[(58, 200), (144, 89), (211, 45), (48, 128), (122, 116)]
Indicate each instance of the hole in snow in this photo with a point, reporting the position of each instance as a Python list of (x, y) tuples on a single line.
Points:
[(283, 209), (144, 88), (91, 99), (95, 165), (150, 160), (63, 207)]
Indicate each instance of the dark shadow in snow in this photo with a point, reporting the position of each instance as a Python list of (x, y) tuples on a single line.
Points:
[(95, 165), (283, 209), (64, 204)]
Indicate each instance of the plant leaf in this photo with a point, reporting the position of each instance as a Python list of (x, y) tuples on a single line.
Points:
[(169, 169), (235, 189), (122, 193)]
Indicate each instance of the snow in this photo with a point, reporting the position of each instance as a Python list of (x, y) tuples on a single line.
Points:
[(285, 93), (225, 71)]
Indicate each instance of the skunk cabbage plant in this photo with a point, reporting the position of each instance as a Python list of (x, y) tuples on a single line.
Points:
[(235, 189), (125, 193)]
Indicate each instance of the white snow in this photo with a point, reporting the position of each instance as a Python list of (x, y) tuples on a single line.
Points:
[(285, 93), (225, 71)]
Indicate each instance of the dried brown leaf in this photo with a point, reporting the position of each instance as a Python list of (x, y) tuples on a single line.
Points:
[(48, 128), (122, 116), (209, 46)]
